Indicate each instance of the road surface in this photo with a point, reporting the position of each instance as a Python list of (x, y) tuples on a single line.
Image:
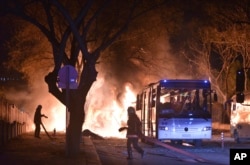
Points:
[(113, 151)]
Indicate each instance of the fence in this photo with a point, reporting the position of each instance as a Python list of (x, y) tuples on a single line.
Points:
[(13, 121)]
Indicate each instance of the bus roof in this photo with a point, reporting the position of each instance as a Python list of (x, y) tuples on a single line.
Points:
[(182, 83)]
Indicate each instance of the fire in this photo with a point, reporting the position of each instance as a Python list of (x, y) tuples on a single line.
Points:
[(112, 115), (56, 118), (59, 120), (240, 115), (105, 113), (130, 96)]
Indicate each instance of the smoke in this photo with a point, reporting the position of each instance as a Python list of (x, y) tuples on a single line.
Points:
[(36, 94), (119, 79)]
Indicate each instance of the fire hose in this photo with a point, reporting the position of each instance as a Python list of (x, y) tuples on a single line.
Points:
[(46, 131), (157, 142)]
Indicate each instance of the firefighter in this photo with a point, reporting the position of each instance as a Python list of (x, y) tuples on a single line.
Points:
[(133, 133), (38, 120)]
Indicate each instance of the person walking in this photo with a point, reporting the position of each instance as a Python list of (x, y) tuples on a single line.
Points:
[(38, 120), (133, 133)]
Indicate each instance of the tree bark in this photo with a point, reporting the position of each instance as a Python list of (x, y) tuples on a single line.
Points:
[(76, 102), (76, 120)]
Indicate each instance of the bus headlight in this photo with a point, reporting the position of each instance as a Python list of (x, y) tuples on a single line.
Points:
[(208, 128), (166, 128)]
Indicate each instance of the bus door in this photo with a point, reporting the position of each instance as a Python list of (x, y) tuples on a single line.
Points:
[(148, 114)]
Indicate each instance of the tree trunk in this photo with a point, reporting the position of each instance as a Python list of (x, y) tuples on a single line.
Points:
[(75, 102), (74, 129)]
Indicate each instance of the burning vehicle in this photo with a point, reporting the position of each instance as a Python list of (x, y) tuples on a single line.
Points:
[(240, 119)]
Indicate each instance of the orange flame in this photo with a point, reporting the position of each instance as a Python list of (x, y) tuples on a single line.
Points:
[(107, 120), (104, 115)]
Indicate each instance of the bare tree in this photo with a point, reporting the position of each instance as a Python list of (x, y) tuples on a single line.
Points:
[(235, 19), (76, 28), (217, 46)]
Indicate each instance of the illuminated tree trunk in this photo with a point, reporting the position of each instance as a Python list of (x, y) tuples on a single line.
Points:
[(76, 102)]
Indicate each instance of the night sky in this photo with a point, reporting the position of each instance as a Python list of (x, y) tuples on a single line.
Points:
[(5, 34)]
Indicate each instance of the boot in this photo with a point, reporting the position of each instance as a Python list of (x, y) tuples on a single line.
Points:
[(130, 156), (143, 154)]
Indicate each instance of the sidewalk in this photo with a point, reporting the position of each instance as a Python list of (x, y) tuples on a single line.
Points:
[(26, 149)]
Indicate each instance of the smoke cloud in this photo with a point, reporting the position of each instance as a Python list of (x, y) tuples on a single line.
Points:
[(119, 80)]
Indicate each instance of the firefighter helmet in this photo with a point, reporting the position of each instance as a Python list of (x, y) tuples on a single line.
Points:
[(131, 110)]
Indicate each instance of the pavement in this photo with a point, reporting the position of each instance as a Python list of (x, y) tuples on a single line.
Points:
[(26, 149), (217, 150), (213, 151)]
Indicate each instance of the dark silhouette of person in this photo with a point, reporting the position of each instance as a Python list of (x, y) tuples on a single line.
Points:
[(133, 133), (38, 120)]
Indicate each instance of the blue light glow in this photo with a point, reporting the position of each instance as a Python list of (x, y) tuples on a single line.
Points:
[(72, 80)]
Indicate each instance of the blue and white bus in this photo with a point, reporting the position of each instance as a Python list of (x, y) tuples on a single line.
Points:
[(176, 110)]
